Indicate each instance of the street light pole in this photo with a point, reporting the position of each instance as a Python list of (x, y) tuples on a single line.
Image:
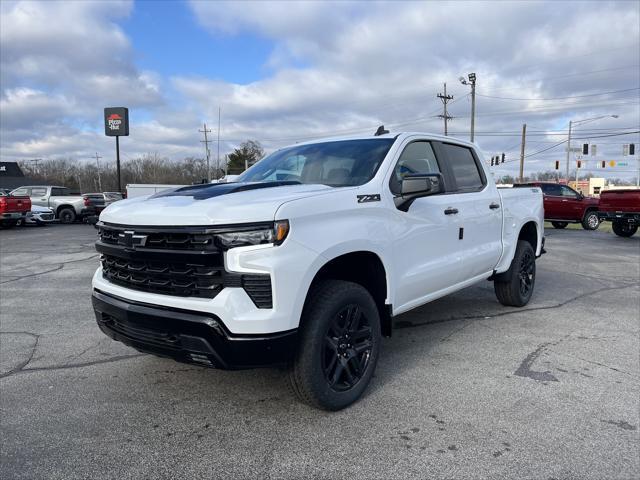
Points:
[(472, 82), (568, 151), (578, 122)]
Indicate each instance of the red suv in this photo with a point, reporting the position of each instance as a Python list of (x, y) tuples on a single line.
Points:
[(563, 205)]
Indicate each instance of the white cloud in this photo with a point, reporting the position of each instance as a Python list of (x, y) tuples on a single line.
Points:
[(336, 67)]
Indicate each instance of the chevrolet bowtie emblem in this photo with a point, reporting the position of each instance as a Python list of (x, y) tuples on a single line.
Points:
[(130, 240)]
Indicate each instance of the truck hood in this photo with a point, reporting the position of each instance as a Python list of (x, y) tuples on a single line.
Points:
[(215, 204)]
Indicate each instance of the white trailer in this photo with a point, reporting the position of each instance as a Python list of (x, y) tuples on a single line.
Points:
[(140, 189)]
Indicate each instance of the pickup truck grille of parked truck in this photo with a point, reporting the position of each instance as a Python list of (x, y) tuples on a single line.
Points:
[(185, 262)]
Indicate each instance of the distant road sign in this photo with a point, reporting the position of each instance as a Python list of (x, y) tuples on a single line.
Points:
[(623, 164), (574, 149), (612, 163)]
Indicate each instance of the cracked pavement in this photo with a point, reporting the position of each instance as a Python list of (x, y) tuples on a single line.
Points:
[(465, 388)]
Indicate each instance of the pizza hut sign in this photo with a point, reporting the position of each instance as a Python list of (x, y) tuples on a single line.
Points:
[(116, 121)]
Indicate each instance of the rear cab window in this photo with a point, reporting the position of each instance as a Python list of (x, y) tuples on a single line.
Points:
[(464, 168)]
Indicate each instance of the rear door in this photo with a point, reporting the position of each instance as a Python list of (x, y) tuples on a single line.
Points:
[(39, 196), (553, 205), (477, 206)]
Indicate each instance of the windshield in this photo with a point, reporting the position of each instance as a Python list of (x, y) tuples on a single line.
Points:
[(337, 164)]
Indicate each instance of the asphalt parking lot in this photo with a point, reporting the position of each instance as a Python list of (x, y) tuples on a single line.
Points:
[(465, 388)]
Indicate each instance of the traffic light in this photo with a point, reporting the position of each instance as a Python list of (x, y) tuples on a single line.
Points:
[(502, 157), (579, 164), (585, 149), (557, 165), (492, 161), (603, 164), (632, 149)]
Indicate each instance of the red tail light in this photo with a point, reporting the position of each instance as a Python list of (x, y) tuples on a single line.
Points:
[(87, 202), (3, 202)]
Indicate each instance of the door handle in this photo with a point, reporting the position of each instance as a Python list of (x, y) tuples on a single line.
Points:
[(494, 205), (451, 211)]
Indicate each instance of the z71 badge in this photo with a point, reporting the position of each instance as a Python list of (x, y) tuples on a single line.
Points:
[(369, 198)]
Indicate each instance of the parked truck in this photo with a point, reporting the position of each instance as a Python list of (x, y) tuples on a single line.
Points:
[(622, 209), (13, 209), (67, 207), (563, 205), (308, 256)]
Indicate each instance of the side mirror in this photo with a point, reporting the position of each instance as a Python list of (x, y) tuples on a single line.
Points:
[(418, 185), (580, 196)]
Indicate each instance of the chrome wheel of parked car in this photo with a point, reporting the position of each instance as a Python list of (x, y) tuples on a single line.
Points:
[(590, 221)]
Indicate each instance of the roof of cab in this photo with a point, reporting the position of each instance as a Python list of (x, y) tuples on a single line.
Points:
[(392, 135)]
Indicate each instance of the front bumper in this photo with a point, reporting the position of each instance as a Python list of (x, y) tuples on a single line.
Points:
[(188, 336)]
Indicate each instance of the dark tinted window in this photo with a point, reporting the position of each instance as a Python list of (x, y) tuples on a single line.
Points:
[(553, 190), (417, 157), (464, 167), (59, 192)]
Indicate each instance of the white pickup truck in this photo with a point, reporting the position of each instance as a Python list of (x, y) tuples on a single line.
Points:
[(308, 256)]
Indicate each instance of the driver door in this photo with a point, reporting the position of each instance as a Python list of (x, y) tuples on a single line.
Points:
[(426, 255)]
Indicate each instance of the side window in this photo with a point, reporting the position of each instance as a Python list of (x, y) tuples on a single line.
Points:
[(417, 157), (567, 192), (464, 167), (20, 192), (553, 190), (59, 192), (38, 192)]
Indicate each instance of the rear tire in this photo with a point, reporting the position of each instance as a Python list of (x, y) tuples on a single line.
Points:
[(623, 229), (590, 220), (67, 215), (339, 345), (559, 225), (514, 287)]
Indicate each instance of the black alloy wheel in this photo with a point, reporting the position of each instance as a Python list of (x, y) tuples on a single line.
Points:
[(526, 273), (347, 348)]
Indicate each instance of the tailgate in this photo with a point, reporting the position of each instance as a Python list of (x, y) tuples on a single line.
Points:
[(16, 204), (620, 201)]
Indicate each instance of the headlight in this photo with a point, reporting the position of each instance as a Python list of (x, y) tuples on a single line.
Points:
[(275, 234)]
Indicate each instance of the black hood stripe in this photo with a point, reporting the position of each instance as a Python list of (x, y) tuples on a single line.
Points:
[(210, 190)]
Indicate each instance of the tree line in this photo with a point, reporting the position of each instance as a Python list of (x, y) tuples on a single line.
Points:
[(85, 177)]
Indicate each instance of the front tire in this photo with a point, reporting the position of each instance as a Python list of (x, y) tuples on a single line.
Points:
[(67, 215), (514, 287), (623, 229), (559, 225), (590, 221), (339, 345)]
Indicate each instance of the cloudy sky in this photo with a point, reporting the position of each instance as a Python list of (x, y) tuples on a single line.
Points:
[(283, 72)]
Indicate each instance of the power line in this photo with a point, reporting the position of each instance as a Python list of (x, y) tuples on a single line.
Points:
[(559, 98)]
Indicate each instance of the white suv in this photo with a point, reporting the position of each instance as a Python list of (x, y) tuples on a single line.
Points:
[(309, 255)]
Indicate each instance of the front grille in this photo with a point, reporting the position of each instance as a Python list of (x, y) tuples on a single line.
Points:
[(184, 280), (183, 262)]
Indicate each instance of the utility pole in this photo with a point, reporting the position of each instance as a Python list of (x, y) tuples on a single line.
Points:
[(445, 99), (98, 157), (36, 161), (522, 145), (472, 82), (568, 151), (206, 142), (218, 157)]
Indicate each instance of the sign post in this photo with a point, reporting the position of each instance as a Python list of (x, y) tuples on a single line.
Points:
[(116, 124)]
